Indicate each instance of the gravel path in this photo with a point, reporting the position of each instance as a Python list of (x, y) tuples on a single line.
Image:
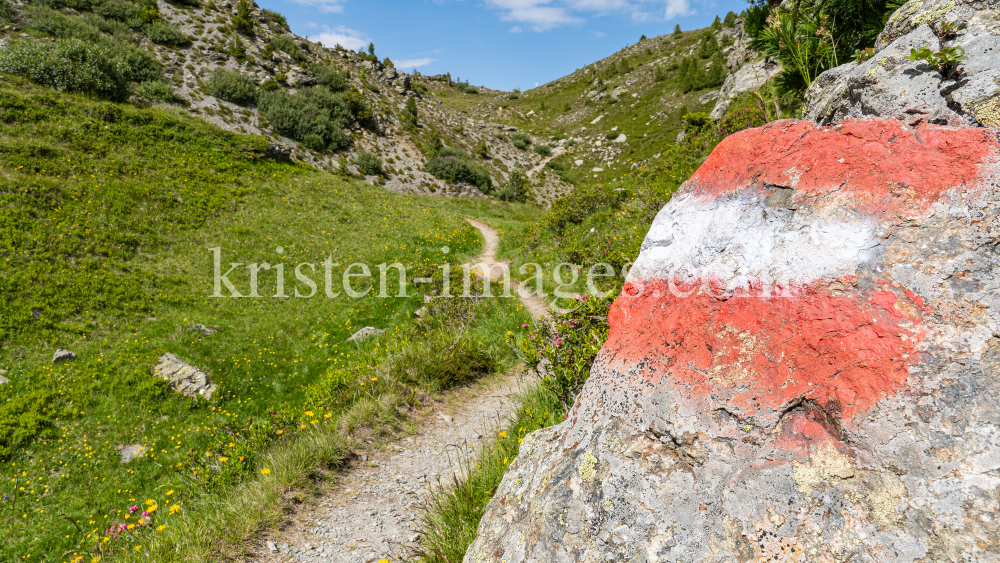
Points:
[(369, 512)]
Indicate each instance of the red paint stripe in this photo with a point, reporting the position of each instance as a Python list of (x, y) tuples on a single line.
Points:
[(879, 164), (752, 354)]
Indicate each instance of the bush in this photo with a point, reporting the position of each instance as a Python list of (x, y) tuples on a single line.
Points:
[(543, 150), (166, 34), (371, 86), (70, 65), (287, 44), (481, 150), (410, 116), (232, 87), (8, 13), (470, 90), (730, 20), (158, 91), (61, 25), (516, 189), (419, 88), (276, 18), (329, 76), (242, 20), (310, 111), (521, 140), (369, 163), (677, 31), (455, 166)]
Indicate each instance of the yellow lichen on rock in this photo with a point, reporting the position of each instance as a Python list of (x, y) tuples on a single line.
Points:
[(588, 469), (934, 15), (825, 463), (985, 110)]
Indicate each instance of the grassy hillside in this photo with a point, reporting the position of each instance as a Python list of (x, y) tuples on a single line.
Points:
[(640, 92), (108, 214)]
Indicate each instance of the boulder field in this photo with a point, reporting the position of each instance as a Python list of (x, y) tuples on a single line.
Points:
[(802, 366)]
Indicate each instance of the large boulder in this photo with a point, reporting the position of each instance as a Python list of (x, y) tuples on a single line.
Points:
[(802, 366), (888, 85)]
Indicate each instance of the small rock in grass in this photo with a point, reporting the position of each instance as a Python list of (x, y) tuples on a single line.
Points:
[(364, 333), (3, 380), (271, 547), (447, 418), (62, 355), (207, 331), (131, 452), (184, 378)]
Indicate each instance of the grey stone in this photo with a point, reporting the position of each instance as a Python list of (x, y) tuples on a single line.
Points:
[(685, 446), (708, 97), (747, 78), (887, 85), (4, 380), (620, 138), (279, 152), (207, 331), (62, 356), (184, 378), (365, 333), (131, 452)]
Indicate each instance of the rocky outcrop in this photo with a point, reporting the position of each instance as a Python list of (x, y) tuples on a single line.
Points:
[(750, 76), (889, 85), (802, 366), (184, 378)]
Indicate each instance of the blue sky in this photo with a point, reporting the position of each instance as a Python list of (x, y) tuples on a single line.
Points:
[(501, 44)]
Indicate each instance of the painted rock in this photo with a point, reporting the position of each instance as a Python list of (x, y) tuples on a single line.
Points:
[(803, 366)]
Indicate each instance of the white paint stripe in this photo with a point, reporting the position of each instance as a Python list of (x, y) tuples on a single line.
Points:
[(736, 239)]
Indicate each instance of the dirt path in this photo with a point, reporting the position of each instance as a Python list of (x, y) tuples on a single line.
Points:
[(535, 305), (369, 513)]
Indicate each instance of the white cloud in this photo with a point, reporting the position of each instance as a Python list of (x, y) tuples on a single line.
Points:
[(413, 63), (677, 8), (344, 36), (325, 6), (516, 29), (543, 15)]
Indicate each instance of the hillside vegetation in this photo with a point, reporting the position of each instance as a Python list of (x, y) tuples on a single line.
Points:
[(109, 211)]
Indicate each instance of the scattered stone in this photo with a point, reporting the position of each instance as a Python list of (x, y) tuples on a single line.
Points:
[(597, 120), (3, 380), (131, 452), (184, 378), (207, 331), (271, 547), (279, 152), (620, 138), (578, 162), (708, 97), (597, 170), (421, 312), (62, 356), (447, 418), (365, 333)]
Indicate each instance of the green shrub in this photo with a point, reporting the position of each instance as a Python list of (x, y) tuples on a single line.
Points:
[(521, 140), (543, 150), (456, 166), (371, 86), (410, 116), (288, 45), (369, 163), (233, 87), (659, 75), (158, 91), (677, 31), (8, 13), (329, 76), (419, 88), (24, 418), (276, 18), (242, 20), (166, 34), (121, 32), (61, 25), (730, 20), (516, 188), (69, 65), (481, 150), (470, 90), (310, 111)]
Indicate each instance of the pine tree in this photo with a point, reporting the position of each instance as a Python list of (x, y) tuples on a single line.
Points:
[(410, 113), (717, 73), (677, 31), (709, 45), (716, 23), (371, 49)]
